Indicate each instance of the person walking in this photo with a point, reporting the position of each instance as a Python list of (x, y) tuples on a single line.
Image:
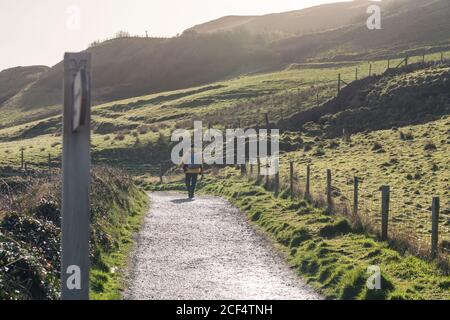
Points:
[(191, 169)]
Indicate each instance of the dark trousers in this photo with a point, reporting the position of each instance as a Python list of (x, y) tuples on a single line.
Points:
[(191, 182)]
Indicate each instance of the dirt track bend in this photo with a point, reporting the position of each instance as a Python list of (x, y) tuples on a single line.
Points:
[(206, 249)]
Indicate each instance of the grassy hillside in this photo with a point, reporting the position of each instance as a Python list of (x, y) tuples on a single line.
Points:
[(30, 233), (130, 67)]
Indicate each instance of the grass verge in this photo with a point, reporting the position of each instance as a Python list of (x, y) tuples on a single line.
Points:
[(330, 253)]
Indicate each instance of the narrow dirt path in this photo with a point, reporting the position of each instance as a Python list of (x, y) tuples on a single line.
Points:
[(206, 249)]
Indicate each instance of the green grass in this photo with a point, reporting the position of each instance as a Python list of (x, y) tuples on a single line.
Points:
[(107, 281), (326, 250)]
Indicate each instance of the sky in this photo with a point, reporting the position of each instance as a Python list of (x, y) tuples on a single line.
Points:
[(38, 32)]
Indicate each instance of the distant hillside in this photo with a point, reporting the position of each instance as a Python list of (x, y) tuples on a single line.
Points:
[(13, 80), (129, 67), (299, 22), (406, 24)]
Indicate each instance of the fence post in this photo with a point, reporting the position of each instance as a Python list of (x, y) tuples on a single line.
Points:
[(385, 195), (339, 83), (370, 70), (317, 97), (49, 163), (160, 172), (356, 74), (406, 61), (329, 198), (22, 164), (258, 172), (435, 228), (291, 180), (355, 195), (277, 183), (308, 182), (389, 64)]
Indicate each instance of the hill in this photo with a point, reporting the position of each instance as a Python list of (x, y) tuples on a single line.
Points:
[(129, 67), (13, 80)]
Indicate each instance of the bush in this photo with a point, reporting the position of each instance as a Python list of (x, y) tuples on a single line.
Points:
[(430, 146)]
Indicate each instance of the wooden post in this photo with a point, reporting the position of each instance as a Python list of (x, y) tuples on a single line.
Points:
[(76, 174), (277, 183), (22, 161), (356, 74), (385, 195), (258, 172), (355, 195), (26, 167), (161, 173), (308, 182), (389, 64), (339, 83), (291, 180), (49, 163), (329, 198), (317, 97), (251, 169), (435, 228), (370, 70), (406, 61)]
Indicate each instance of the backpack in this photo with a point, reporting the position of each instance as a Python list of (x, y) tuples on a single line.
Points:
[(193, 165)]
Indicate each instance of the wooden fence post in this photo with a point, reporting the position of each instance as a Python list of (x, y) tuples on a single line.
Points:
[(406, 61), (389, 64), (49, 163), (22, 161), (435, 228), (258, 172), (291, 180), (329, 198), (355, 195), (339, 84), (277, 183), (385, 195), (356, 74), (308, 182), (160, 172)]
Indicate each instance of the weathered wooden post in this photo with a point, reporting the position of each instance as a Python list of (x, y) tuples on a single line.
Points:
[(258, 173), (22, 159), (356, 74), (329, 197), (355, 196), (76, 165), (26, 167), (389, 64), (406, 61), (277, 183), (49, 163), (385, 195), (308, 182), (370, 70), (291, 179), (339, 84), (317, 97), (161, 173), (435, 228)]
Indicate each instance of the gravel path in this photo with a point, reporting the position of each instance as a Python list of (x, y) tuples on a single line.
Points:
[(206, 249)]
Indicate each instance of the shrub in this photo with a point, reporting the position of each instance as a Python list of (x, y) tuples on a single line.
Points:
[(430, 146), (120, 137), (377, 146)]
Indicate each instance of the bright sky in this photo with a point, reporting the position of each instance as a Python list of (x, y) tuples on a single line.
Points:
[(38, 32)]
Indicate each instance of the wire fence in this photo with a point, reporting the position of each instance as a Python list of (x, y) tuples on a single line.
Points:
[(408, 227)]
